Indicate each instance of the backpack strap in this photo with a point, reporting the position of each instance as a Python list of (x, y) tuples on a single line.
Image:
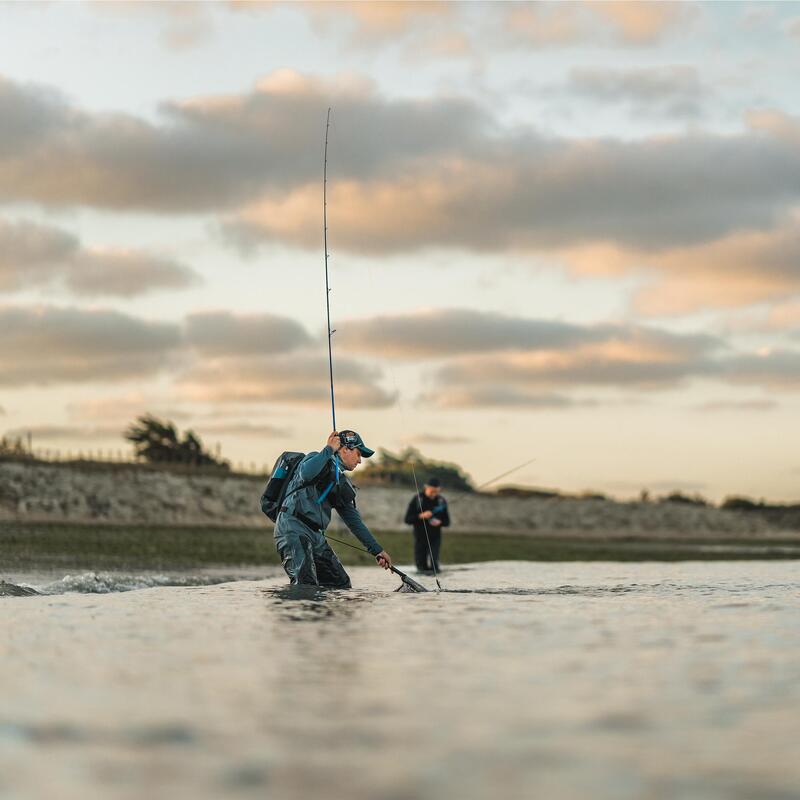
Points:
[(314, 480)]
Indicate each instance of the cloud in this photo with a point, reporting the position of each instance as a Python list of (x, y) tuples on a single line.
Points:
[(34, 255), (776, 123), (643, 360), (126, 273), (792, 27), (185, 25), (535, 373), (188, 27), (438, 438), (442, 332), (784, 315), (418, 29), (408, 176), (540, 24), (497, 397), (644, 23), (500, 360), (736, 405), (125, 408), (30, 254), (596, 366), (414, 175), (444, 44), (675, 91), (213, 153), (57, 433), (292, 379), (739, 269), (214, 357), (30, 114), (241, 429), (222, 333), (536, 195), (49, 345), (375, 24), (439, 333), (776, 369)]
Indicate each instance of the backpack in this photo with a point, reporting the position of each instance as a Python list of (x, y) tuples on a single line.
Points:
[(275, 491)]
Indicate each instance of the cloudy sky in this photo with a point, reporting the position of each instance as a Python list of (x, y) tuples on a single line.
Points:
[(568, 232)]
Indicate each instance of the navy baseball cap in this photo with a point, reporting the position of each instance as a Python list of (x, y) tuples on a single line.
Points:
[(352, 440)]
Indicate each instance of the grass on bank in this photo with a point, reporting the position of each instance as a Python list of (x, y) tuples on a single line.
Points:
[(29, 546)]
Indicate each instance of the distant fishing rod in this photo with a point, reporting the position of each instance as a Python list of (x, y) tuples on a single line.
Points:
[(520, 466), (425, 528), (325, 244)]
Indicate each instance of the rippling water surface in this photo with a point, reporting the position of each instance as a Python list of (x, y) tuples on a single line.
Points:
[(522, 680)]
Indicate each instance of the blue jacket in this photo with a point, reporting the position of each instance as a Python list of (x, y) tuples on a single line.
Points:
[(323, 491)]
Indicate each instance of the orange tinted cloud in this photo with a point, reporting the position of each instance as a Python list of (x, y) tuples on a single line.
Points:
[(561, 24), (296, 379), (371, 24), (639, 22), (736, 270)]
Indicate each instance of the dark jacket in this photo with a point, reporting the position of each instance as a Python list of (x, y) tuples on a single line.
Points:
[(437, 504), (323, 489)]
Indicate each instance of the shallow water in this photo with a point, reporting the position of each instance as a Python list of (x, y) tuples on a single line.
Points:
[(531, 680), (51, 582)]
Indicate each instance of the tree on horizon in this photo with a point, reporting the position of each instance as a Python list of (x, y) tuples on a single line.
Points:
[(158, 442)]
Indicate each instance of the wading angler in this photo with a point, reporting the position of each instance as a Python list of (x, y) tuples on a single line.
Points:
[(300, 498)]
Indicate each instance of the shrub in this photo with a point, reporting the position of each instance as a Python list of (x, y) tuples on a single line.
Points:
[(678, 497), (740, 504), (400, 469)]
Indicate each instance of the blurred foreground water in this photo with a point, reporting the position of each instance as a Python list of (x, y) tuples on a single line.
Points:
[(566, 680)]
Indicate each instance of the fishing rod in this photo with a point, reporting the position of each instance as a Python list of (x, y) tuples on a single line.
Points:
[(425, 528), (410, 582), (413, 584), (325, 244), (520, 466)]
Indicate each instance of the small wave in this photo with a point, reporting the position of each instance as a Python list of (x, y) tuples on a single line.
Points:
[(107, 583), (12, 590)]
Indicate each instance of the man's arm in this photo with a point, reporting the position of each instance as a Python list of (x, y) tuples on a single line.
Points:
[(412, 512), (357, 527), (444, 515), (314, 463)]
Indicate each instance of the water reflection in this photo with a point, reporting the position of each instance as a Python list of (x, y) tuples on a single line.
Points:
[(314, 603)]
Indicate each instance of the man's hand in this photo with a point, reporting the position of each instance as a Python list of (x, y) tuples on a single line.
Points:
[(436, 522), (384, 560), (334, 442), (426, 515)]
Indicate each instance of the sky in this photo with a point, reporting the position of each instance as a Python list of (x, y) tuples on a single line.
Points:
[(567, 232)]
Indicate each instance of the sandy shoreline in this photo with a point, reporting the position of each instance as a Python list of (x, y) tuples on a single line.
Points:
[(57, 493)]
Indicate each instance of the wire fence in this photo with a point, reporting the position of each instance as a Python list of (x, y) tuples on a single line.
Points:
[(20, 451)]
